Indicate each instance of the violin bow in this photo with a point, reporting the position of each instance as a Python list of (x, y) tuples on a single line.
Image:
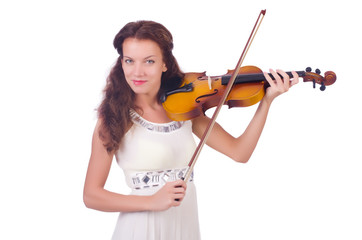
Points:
[(223, 98)]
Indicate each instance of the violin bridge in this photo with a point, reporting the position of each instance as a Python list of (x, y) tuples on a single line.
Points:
[(209, 82)]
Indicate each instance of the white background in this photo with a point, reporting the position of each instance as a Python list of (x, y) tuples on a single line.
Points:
[(304, 179)]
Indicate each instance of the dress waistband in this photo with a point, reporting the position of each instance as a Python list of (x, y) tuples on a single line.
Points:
[(144, 180)]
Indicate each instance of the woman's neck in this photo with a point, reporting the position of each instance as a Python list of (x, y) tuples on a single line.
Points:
[(150, 109), (146, 102)]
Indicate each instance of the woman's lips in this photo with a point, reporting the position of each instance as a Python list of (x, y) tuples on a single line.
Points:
[(139, 82)]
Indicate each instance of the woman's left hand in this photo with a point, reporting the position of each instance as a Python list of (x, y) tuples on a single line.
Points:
[(279, 85)]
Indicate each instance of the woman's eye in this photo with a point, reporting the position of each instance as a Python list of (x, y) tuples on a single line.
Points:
[(128, 61), (150, 61)]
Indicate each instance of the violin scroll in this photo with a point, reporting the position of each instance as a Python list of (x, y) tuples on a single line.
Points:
[(315, 77)]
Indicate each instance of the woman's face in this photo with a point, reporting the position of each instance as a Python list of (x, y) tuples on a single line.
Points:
[(143, 66)]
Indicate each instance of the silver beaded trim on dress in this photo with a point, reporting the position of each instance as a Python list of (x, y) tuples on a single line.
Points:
[(151, 179), (157, 127)]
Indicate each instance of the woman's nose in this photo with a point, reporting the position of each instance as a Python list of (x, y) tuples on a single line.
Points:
[(138, 70)]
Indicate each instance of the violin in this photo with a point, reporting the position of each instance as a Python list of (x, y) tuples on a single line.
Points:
[(199, 92)]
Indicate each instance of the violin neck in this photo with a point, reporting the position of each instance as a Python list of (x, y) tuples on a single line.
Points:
[(254, 77)]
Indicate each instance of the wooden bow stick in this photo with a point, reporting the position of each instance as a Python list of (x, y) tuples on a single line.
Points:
[(223, 98)]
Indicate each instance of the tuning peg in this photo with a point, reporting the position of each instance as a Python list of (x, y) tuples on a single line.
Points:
[(317, 71), (323, 86), (308, 69)]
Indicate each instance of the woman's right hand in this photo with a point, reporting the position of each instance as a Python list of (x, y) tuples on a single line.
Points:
[(170, 195)]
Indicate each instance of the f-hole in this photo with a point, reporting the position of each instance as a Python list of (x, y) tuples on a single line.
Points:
[(206, 95)]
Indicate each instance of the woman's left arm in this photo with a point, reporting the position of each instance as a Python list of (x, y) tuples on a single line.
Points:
[(241, 148)]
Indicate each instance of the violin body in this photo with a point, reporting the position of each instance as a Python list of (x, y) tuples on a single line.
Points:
[(188, 105), (200, 92)]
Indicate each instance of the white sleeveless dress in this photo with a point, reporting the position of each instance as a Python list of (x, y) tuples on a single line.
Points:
[(151, 154)]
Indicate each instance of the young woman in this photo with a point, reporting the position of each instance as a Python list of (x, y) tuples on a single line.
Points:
[(153, 150)]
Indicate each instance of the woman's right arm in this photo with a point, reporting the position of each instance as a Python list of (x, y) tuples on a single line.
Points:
[(96, 197)]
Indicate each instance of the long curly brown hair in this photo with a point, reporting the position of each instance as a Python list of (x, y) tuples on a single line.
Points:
[(118, 96)]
